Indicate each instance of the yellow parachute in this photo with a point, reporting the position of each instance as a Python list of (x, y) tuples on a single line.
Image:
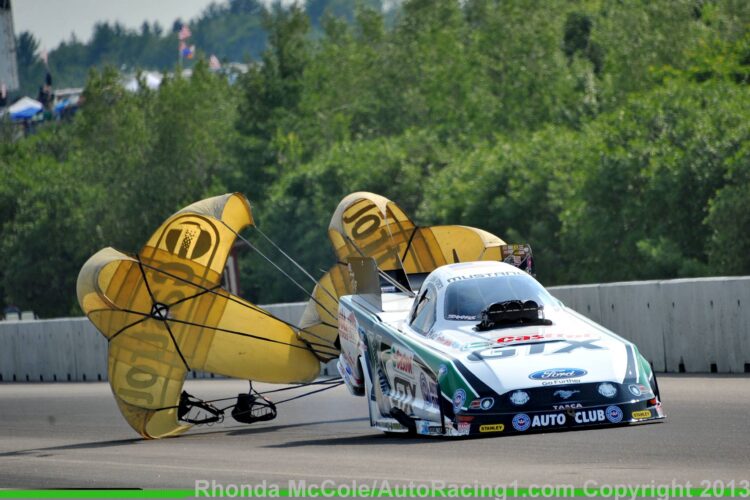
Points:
[(165, 314), (369, 225)]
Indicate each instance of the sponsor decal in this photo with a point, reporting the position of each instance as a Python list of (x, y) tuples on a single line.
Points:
[(548, 420), (634, 390), (642, 414), (508, 351), (191, 237), (492, 428), (428, 428), (348, 335), (589, 416), (519, 398), (607, 390), (387, 425), (403, 360), (429, 390), (442, 370), (564, 394), (482, 404), (463, 428), (558, 373), (446, 341), (579, 344), (614, 414), (567, 406), (482, 275), (521, 422), (508, 339), (470, 346), (347, 325), (405, 392), (459, 397), (461, 317)]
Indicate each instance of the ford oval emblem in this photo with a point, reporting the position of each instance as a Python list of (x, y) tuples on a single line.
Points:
[(557, 373)]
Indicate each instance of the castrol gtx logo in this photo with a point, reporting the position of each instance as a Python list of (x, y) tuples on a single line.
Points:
[(557, 373)]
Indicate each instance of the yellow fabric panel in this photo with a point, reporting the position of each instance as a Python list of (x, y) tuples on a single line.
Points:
[(466, 243), (146, 375), (195, 234), (234, 353), (320, 319), (424, 254), (370, 225), (164, 314), (98, 269)]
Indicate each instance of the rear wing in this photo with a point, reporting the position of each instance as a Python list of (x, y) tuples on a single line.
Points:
[(365, 282)]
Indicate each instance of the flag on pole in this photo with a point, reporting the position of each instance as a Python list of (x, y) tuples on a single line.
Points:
[(184, 33), (213, 62), (45, 57), (187, 51)]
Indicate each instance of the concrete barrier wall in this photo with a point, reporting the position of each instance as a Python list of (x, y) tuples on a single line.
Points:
[(71, 349), (689, 325)]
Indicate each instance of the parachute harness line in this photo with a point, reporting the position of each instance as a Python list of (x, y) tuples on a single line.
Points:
[(250, 407), (286, 275), (298, 266), (164, 311), (160, 312)]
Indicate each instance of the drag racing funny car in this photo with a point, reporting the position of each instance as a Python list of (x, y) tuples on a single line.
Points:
[(482, 348), (442, 328)]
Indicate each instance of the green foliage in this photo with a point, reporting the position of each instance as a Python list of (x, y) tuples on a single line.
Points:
[(660, 161), (612, 136), (126, 163)]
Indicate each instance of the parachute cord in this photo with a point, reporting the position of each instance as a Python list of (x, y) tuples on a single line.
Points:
[(148, 316), (295, 263), (188, 401), (153, 304), (299, 396), (330, 386), (286, 275), (408, 245), (243, 334), (400, 260), (247, 305), (233, 332)]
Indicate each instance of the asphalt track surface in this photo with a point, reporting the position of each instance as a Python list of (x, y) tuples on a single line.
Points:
[(72, 436)]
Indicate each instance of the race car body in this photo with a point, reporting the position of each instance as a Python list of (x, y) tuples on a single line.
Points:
[(483, 348)]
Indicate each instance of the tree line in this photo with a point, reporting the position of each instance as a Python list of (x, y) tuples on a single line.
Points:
[(233, 31), (614, 137)]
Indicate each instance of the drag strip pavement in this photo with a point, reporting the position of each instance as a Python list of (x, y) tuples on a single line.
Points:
[(72, 436)]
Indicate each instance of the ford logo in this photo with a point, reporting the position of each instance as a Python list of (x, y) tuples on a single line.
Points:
[(557, 373)]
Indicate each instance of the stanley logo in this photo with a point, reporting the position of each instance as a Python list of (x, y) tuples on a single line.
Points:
[(492, 428)]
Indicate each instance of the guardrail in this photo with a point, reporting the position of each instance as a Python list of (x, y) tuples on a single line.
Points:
[(697, 325), (689, 325), (71, 349)]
